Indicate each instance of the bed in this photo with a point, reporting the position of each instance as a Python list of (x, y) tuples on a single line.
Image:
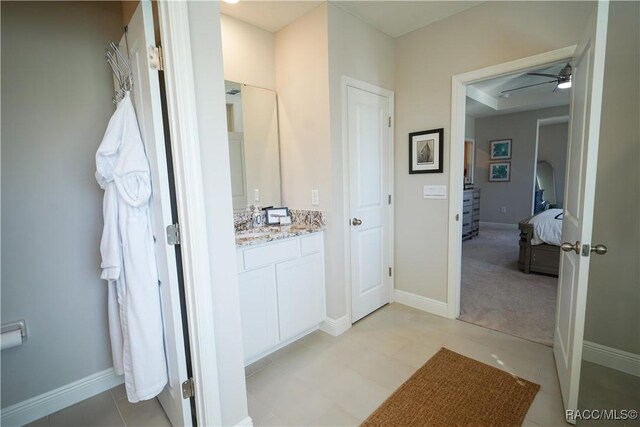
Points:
[(540, 239)]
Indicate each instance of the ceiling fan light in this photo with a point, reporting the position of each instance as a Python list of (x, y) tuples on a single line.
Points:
[(565, 84), (231, 1)]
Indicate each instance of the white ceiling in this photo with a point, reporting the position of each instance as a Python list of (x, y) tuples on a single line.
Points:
[(484, 98), (394, 18), (268, 15)]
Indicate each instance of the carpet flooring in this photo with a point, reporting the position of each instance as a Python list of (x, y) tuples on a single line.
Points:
[(496, 295), (454, 390)]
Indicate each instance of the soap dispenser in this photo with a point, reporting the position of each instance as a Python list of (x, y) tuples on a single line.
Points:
[(256, 217)]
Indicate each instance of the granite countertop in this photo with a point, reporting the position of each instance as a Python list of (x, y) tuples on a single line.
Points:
[(265, 234)]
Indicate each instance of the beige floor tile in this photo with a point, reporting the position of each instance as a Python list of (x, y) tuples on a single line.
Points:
[(336, 416), (358, 395), (256, 366), (270, 422), (258, 412), (416, 354), (148, 413), (99, 410), (119, 392), (42, 422), (547, 410), (290, 399), (381, 369)]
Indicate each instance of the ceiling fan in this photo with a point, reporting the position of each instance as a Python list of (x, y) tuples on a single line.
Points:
[(562, 79)]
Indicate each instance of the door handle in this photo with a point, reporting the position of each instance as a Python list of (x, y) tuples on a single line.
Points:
[(599, 249), (568, 247), (356, 221)]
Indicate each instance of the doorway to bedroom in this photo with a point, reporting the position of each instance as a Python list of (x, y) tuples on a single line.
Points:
[(516, 132)]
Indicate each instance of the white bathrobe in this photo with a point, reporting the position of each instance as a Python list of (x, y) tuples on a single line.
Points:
[(128, 257)]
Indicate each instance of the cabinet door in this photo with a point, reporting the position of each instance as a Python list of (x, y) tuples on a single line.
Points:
[(300, 294), (259, 310)]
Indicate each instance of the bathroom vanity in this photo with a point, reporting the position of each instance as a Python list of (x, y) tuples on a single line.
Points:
[(282, 286)]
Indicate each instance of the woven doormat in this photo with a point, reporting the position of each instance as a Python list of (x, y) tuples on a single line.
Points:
[(454, 390)]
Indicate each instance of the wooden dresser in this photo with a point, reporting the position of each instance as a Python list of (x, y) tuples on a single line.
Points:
[(470, 213)]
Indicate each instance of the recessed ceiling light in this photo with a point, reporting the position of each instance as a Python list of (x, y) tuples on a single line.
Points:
[(231, 1)]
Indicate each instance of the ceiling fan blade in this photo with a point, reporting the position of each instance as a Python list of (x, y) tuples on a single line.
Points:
[(555, 88), (524, 87), (554, 76)]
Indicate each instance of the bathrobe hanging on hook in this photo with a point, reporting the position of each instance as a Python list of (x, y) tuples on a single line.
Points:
[(128, 257)]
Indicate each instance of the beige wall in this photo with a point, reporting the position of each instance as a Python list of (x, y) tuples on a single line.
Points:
[(516, 195), (362, 52), (302, 83), (552, 147), (613, 317), (488, 34), (56, 102), (248, 53)]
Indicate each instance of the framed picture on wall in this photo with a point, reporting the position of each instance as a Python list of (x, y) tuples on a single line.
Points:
[(501, 149), (426, 151), (500, 172)]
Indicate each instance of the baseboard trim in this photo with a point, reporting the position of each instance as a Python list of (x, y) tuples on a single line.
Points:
[(336, 327), (498, 225), (247, 422), (613, 358), (429, 305), (52, 401)]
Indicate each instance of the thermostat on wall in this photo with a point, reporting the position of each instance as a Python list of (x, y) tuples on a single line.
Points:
[(434, 192)]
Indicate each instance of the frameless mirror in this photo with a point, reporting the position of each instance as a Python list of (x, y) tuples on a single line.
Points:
[(545, 186), (469, 154), (254, 152)]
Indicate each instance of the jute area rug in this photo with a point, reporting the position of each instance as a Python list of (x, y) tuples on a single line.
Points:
[(454, 390)]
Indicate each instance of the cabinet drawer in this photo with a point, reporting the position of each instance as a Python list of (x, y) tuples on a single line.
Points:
[(311, 244), (271, 254), (467, 197)]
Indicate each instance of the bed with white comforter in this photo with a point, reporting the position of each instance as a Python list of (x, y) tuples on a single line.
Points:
[(540, 240), (547, 227)]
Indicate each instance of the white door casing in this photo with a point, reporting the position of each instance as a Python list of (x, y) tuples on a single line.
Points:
[(147, 103), (369, 142), (582, 153)]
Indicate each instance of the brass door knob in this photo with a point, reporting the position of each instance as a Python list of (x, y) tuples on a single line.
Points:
[(568, 247), (599, 249)]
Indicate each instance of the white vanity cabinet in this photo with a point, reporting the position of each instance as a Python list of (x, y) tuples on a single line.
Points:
[(282, 296)]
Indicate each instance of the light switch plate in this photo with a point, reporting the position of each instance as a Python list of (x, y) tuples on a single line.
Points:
[(434, 192)]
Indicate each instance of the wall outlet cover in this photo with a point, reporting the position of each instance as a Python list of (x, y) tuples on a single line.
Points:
[(256, 195), (315, 198)]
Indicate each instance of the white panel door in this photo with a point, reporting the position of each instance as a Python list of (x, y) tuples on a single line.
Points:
[(588, 74), (300, 284), (369, 162), (258, 310), (147, 103)]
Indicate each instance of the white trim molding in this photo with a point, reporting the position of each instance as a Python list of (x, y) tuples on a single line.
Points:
[(335, 327), (439, 308), (498, 225), (613, 358), (52, 401), (459, 84), (247, 422)]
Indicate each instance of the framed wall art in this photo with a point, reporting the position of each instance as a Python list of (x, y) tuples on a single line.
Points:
[(426, 151), (501, 149), (500, 172)]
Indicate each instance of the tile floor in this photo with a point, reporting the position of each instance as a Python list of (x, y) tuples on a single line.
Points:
[(339, 381), (108, 409), (322, 380)]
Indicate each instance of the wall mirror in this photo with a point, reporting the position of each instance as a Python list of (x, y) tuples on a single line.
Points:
[(469, 161), (545, 186), (254, 151)]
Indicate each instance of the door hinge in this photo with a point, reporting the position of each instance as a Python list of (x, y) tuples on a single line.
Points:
[(390, 271), (156, 59), (173, 234), (389, 198), (188, 389), (389, 121)]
